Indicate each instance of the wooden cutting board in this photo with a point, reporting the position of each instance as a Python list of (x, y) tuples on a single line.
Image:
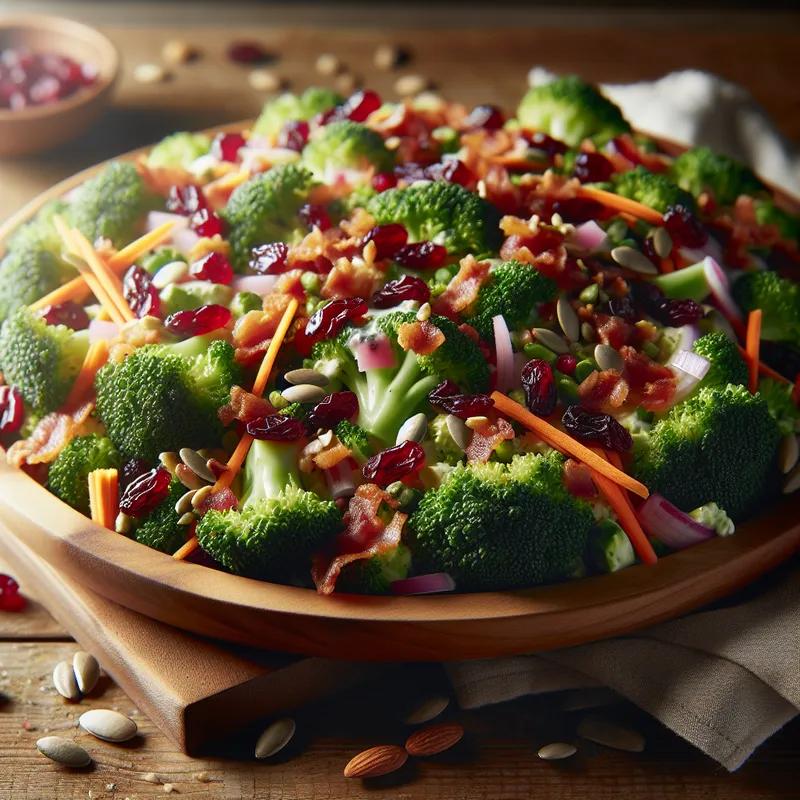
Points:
[(195, 690)]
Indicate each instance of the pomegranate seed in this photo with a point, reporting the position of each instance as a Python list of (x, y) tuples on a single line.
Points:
[(294, 135), (332, 410), (421, 255), (10, 598), (684, 228), (276, 428), (314, 216), (226, 146), (577, 209), (269, 259), (67, 313), (383, 181), (329, 320), (488, 117), (566, 363), (592, 168), (247, 53), (540, 387), (46, 89), (12, 409), (447, 398), (388, 239), (198, 321), (131, 470), (186, 200), (597, 428), (360, 105), (549, 145), (206, 223), (146, 492), (395, 463), (213, 267), (140, 294), (407, 287)]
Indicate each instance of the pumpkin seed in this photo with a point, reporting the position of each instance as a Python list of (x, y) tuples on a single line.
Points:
[(634, 260), (413, 429), (63, 751), (312, 376), (411, 84), (87, 671), (169, 461), (568, 319), (792, 482), (427, 709), (188, 477), (551, 340), (662, 242), (65, 682), (303, 393), (184, 504), (788, 453), (602, 731), (478, 421), (458, 430), (108, 725), (556, 751), (608, 358), (275, 737), (200, 496), (587, 332), (187, 519), (196, 464), (169, 273)]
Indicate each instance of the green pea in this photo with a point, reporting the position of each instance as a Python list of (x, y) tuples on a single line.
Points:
[(534, 350), (567, 389), (277, 400), (652, 349), (310, 281), (583, 369), (590, 293)]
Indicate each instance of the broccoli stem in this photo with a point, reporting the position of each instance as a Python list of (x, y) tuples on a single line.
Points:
[(270, 468), (688, 283)]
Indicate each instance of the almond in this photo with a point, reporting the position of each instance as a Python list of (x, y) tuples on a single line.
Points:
[(379, 760), (434, 739)]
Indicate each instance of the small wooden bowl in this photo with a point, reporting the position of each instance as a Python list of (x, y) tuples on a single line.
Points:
[(36, 128)]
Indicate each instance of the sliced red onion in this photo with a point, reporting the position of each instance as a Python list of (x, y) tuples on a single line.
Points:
[(687, 336), (340, 480), (588, 237), (184, 239), (432, 583), (711, 248), (155, 219), (374, 353), (102, 330), (670, 525), (505, 354), (721, 288), (689, 369), (257, 284)]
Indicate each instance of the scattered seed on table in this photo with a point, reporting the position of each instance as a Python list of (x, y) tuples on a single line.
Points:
[(63, 751), (65, 682), (265, 80), (346, 82), (608, 358), (434, 739), (303, 375), (275, 737), (108, 725), (376, 761), (178, 51), (603, 731), (427, 709), (407, 85), (413, 429), (556, 751), (149, 73), (327, 64), (387, 56), (87, 671), (634, 260)]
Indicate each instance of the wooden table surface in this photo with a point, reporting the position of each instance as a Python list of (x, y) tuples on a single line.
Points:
[(468, 59)]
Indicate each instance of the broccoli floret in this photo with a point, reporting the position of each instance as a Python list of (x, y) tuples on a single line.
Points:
[(112, 205), (193, 294), (290, 107), (179, 150), (69, 473), (609, 548), (160, 529), (164, 397), (768, 213), (244, 302), (446, 448), (348, 147), (778, 397), (359, 198), (712, 516), (41, 360), (446, 213), (355, 438), (702, 170), (727, 364), (265, 209), (513, 290), (375, 575), (779, 300), (650, 189), (388, 396), (717, 446), (571, 110), (501, 526)]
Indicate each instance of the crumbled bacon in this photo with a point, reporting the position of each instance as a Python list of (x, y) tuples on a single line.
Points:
[(254, 330), (244, 407), (462, 291), (604, 391), (486, 438), (423, 337), (332, 455), (578, 479), (652, 384), (613, 331), (349, 280)]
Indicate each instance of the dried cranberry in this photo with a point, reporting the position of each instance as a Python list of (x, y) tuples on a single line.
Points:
[(206, 223), (269, 259), (332, 410), (186, 200), (294, 135), (395, 463), (395, 292), (12, 409), (577, 209), (684, 228), (383, 181), (276, 428), (566, 363), (360, 105), (485, 116), (213, 267), (549, 145), (131, 470), (68, 313), (332, 317), (597, 428), (540, 387), (388, 239), (459, 405), (198, 321), (314, 216), (622, 307), (681, 312), (140, 294), (421, 255), (146, 492), (10, 598), (248, 53), (592, 168), (226, 146)]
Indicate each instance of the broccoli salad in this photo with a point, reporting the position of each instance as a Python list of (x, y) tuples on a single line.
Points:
[(407, 348)]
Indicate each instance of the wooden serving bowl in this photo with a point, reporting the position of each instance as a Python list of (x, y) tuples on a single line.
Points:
[(37, 128), (432, 628)]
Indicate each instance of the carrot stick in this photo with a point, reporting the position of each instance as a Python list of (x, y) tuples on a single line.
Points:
[(766, 370), (103, 496), (752, 345), (76, 289), (566, 444), (623, 205), (96, 356), (238, 456), (124, 258)]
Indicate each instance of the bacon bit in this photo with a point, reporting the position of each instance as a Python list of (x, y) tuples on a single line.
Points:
[(657, 396), (359, 224), (332, 455), (423, 337), (486, 439), (515, 226), (578, 479), (290, 284), (604, 391), (254, 331), (348, 280), (652, 384), (613, 331), (222, 500), (499, 188), (244, 406), (462, 291)]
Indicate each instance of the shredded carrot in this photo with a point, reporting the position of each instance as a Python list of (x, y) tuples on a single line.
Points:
[(752, 345), (124, 258), (96, 356), (77, 289), (104, 497), (566, 444), (764, 369), (623, 205), (238, 456), (226, 183)]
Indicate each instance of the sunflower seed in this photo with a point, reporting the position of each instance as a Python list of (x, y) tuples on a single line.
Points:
[(169, 461), (427, 709), (327, 64), (312, 376), (265, 80), (634, 260), (149, 73), (556, 751), (64, 681), (177, 51), (551, 340), (169, 273), (597, 729), (478, 421), (662, 242), (63, 751), (411, 84), (196, 464), (458, 430), (184, 504), (424, 312), (275, 737), (788, 453), (303, 393), (568, 319), (188, 477), (87, 671), (608, 358), (108, 725), (200, 496), (123, 523), (187, 519), (387, 56), (792, 482), (413, 429)]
